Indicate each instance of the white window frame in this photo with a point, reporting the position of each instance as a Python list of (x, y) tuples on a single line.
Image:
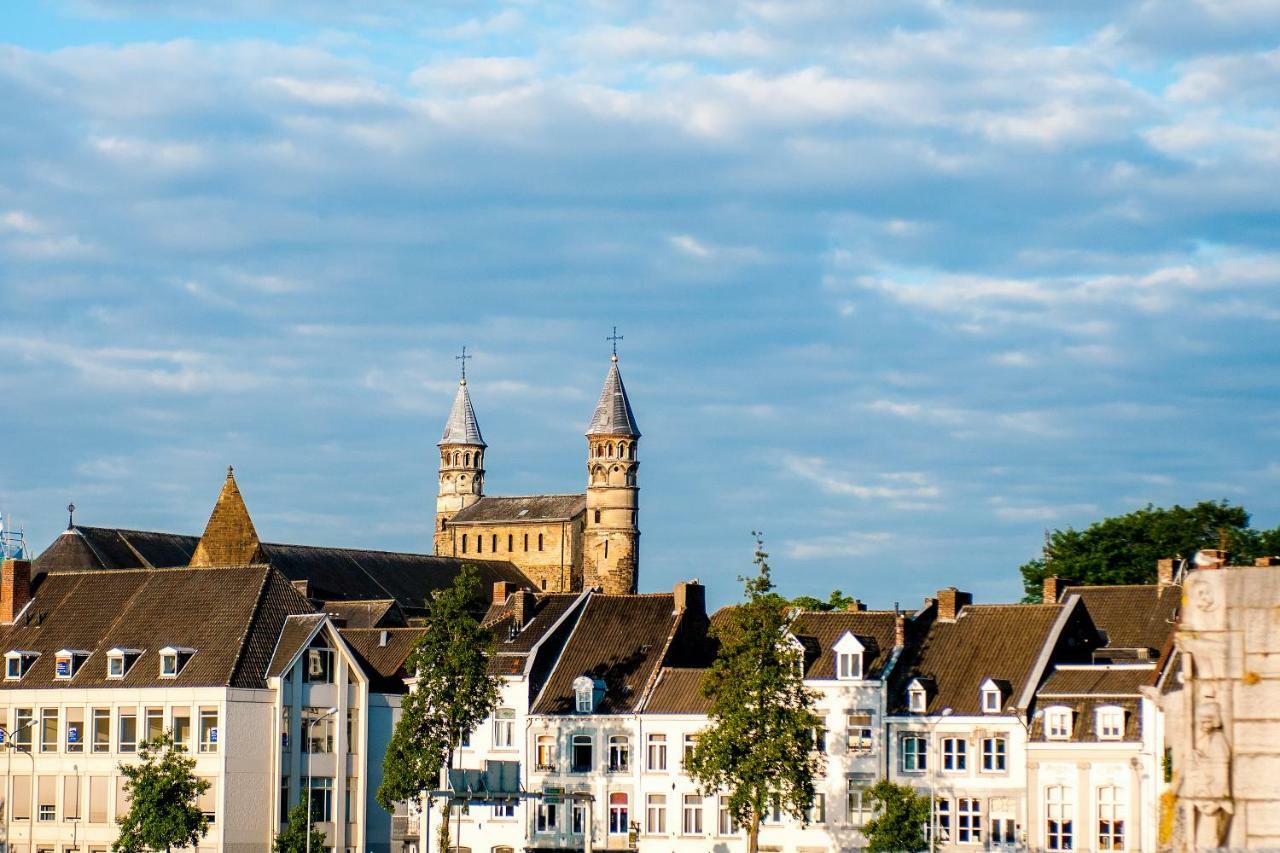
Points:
[(992, 698), (655, 814), (180, 658), (1059, 818), (619, 753), (584, 694), (968, 829), (1111, 818), (655, 747), (920, 754), (1058, 722), (1109, 722), (19, 660), (504, 728), (691, 818), (955, 754), (995, 748), (859, 731), (857, 811)]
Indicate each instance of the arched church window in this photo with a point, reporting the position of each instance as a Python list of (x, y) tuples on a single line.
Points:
[(539, 541), (611, 448), (493, 544), (479, 543), (511, 539), (597, 516), (631, 451), (464, 543), (466, 459), (457, 458)]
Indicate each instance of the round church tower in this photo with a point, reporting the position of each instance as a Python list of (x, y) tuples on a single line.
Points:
[(611, 539)]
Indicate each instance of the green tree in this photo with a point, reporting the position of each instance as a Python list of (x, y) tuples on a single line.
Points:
[(837, 600), (163, 796), (293, 838), (758, 747), (1124, 548), (900, 819), (454, 693)]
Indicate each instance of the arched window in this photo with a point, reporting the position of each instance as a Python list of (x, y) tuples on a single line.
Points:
[(493, 544), (580, 755), (526, 541), (457, 458), (539, 541), (631, 452), (479, 543), (619, 814), (622, 450), (619, 754), (545, 753), (464, 543), (466, 459), (611, 449), (597, 516), (511, 541)]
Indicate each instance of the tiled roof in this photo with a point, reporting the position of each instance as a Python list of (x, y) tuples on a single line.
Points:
[(548, 609), (89, 548), (462, 426), (231, 617), (613, 414), (999, 641), (873, 628), (1096, 681), (296, 633), (678, 691), (620, 639), (1084, 728), (1132, 616), (230, 538), (523, 508), (384, 664), (374, 613)]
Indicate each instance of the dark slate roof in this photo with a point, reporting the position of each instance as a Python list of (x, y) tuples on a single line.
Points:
[(297, 631), (523, 508), (620, 639), (548, 609), (375, 613), (678, 690), (1132, 616), (999, 641), (1096, 681), (384, 664), (233, 618), (1084, 728), (89, 548), (462, 426), (873, 628), (613, 414)]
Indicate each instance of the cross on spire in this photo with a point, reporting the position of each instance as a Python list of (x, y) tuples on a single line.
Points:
[(463, 358), (615, 337)]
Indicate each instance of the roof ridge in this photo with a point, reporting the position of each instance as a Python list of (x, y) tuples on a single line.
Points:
[(537, 495), (156, 569), (381, 551)]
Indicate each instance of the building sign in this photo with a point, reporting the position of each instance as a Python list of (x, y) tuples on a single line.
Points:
[(73, 734), (213, 735), (64, 668), (552, 796)]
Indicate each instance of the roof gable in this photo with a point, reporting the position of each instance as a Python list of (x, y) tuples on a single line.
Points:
[(230, 538)]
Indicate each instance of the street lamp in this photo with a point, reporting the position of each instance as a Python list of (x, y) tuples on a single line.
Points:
[(310, 725), (10, 741), (933, 781)]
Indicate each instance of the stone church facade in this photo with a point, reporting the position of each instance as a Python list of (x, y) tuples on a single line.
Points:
[(563, 543)]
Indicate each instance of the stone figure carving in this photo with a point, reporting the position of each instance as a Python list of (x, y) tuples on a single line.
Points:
[(1208, 783)]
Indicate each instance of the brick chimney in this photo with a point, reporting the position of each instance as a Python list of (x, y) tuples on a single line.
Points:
[(691, 597), (15, 588), (523, 605), (950, 600), (855, 606), (1211, 558), (899, 630), (1263, 562), (502, 591), (1052, 589), (1165, 570)]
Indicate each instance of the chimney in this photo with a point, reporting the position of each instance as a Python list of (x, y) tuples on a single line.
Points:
[(856, 606), (502, 591), (1165, 570), (691, 597), (1262, 562), (899, 630), (1052, 589), (523, 605), (950, 600), (15, 588), (1211, 558)]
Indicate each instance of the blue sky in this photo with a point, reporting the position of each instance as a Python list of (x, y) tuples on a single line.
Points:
[(900, 289)]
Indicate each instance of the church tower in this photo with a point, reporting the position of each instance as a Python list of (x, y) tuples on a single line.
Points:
[(461, 463), (611, 539)]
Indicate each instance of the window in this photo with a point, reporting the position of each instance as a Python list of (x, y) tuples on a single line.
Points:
[(955, 754), (1058, 818), (284, 799), (320, 669), (1057, 723), (71, 801), (120, 660), (209, 730), (545, 753), (46, 793), (619, 753), (990, 700), (915, 754), (942, 819), (917, 700), (657, 749), (692, 824), (321, 799), (584, 690), (725, 824), (128, 730), (172, 660), (819, 738), (154, 723), (16, 664), (321, 730), (23, 722), (547, 817), (75, 730), (968, 821), (503, 809), (504, 728), (98, 799), (67, 662), (493, 543), (655, 814), (619, 820), (208, 801), (526, 541), (849, 666), (48, 729), (994, 750), (182, 728), (479, 543), (101, 729), (578, 818), (464, 543), (539, 541), (858, 732), (1110, 819), (353, 728), (286, 725), (818, 811), (1004, 830), (22, 798), (857, 804), (690, 743), (511, 539), (580, 754), (1110, 723)]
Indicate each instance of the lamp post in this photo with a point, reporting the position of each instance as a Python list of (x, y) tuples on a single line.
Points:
[(933, 780), (8, 811), (310, 725)]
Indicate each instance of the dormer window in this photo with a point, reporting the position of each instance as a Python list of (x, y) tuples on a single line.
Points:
[(587, 693), (16, 663), (173, 659), (1057, 723), (67, 662), (917, 696), (120, 661), (848, 657), (992, 697), (1110, 722)]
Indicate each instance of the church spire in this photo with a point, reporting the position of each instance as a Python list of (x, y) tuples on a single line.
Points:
[(230, 538), (462, 426), (613, 414)]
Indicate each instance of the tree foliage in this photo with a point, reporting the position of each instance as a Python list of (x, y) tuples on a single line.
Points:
[(900, 819), (454, 693), (1124, 548), (837, 600), (293, 838), (758, 747), (163, 800)]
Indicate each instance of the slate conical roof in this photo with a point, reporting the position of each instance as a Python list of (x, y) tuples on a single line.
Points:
[(613, 413), (230, 538), (462, 426)]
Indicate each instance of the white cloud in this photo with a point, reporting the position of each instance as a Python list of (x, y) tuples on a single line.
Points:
[(838, 546)]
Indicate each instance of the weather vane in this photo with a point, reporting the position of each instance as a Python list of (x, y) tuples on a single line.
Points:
[(71, 516), (463, 358), (615, 337)]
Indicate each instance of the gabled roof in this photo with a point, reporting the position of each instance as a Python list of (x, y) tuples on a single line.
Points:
[(230, 538), (1132, 616), (1084, 727), (873, 628), (232, 617), (89, 548), (298, 631), (462, 426), (374, 613), (613, 414), (520, 508), (547, 610), (383, 663)]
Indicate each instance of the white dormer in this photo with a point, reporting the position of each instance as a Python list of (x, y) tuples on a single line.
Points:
[(17, 662), (1110, 722), (587, 693), (848, 657), (119, 661), (173, 659), (67, 662), (917, 696), (1057, 722), (992, 697)]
